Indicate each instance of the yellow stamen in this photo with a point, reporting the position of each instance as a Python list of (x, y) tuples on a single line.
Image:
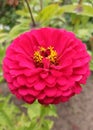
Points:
[(37, 57), (42, 49), (48, 53), (53, 55)]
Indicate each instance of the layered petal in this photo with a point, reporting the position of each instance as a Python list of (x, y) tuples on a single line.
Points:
[(46, 64)]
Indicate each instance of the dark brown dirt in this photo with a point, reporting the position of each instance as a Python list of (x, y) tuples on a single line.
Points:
[(77, 114)]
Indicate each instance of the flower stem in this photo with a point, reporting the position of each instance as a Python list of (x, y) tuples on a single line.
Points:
[(41, 4), (80, 2), (30, 11)]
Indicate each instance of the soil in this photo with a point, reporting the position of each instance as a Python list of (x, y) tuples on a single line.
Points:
[(77, 114)]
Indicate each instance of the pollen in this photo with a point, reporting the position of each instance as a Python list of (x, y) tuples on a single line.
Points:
[(37, 57), (53, 55), (42, 49), (42, 53)]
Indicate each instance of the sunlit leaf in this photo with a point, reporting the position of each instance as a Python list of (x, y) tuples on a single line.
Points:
[(47, 13), (18, 29), (34, 110), (85, 10)]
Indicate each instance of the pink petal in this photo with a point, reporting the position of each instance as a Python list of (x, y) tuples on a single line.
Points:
[(22, 91), (78, 89), (83, 80), (11, 86), (41, 96), (57, 100), (56, 73), (82, 54), (67, 71), (32, 79), (61, 41), (39, 85), (21, 80), (28, 85), (31, 72), (43, 75), (29, 99), (25, 44), (8, 77), (82, 70), (15, 72), (46, 63), (5, 67), (65, 62), (64, 87), (59, 93), (64, 99), (67, 93), (85, 60), (15, 83), (77, 63), (27, 64), (33, 92), (76, 77), (62, 81), (50, 79), (10, 63), (46, 101), (17, 94), (50, 91), (68, 54)]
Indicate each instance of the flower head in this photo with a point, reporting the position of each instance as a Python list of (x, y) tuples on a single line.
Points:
[(47, 64)]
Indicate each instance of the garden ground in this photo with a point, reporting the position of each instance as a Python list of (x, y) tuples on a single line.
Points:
[(77, 114)]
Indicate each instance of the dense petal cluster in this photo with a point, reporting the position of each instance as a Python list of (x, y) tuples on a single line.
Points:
[(47, 64)]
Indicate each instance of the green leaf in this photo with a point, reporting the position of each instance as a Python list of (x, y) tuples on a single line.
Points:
[(48, 124), (83, 33), (18, 29), (51, 111), (47, 13), (3, 36), (34, 110), (23, 13), (91, 65), (85, 10), (4, 118)]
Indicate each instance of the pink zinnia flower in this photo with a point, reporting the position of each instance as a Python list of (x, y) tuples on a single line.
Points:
[(47, 64)]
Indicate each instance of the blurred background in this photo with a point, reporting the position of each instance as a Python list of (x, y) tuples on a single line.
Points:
[(15, 18)]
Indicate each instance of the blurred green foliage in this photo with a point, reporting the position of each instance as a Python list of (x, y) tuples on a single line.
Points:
[(67, 14), (32, 117), (7, 15)]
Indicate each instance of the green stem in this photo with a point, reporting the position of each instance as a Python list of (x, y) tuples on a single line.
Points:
[(30, 11), (80, 2), (41, 4)]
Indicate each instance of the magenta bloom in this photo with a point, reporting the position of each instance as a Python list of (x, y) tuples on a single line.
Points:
[(47, 64)]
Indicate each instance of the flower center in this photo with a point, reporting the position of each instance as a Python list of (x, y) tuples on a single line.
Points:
[(45, 53)]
